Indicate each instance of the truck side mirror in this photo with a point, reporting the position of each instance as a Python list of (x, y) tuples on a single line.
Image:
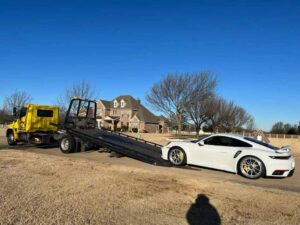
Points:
[(15, 111)]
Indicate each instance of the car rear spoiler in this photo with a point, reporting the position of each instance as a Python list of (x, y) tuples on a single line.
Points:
[(284, 149)]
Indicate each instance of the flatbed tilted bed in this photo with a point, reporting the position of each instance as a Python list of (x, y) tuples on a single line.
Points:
[(80, 129), (124, 144)]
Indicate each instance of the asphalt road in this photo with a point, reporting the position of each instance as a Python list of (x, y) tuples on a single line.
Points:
[(288, 184)]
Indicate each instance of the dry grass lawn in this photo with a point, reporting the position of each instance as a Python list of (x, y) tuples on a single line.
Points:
[(2, 132), (43, 189)]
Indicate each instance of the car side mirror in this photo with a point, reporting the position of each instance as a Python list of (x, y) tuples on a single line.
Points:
[(15, 111), (201, 143)]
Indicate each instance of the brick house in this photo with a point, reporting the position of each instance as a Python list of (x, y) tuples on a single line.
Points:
[(127, 112)]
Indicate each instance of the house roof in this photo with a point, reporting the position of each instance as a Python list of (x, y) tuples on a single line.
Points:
[(131, 102), (105, 103), (145, 115), (162, 117), (141, 111)]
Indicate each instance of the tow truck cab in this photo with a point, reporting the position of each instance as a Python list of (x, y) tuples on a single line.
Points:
[(33, 124)]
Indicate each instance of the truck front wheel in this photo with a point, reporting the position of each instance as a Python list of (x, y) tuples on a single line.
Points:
[(67, 144), (10, 138)]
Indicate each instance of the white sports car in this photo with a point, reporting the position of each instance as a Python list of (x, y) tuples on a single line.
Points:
[(238, 154)]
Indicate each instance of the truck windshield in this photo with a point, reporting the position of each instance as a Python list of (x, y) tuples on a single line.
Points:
[(23, 112)]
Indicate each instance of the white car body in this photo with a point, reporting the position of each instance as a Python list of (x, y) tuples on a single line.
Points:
[(227, 157)]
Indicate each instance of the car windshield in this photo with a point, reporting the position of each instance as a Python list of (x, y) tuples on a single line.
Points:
[(201, 138), (261, 143)]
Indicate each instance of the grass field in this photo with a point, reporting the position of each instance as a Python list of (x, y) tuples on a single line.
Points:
[(2, 132), (43, 189)]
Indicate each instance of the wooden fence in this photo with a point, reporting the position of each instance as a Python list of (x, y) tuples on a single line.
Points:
[(268, 135)]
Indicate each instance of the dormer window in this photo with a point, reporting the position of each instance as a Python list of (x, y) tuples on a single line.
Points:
[(122, 103), (115, 104)]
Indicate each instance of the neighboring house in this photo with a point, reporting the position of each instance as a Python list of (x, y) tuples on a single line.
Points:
[(127, 113)]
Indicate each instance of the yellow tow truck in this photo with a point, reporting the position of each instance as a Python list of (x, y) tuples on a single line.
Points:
[(34, 124)]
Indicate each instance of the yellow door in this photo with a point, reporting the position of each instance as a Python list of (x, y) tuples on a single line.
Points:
[(23, 118)]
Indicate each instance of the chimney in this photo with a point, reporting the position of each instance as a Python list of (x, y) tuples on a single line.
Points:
[(139, 101)]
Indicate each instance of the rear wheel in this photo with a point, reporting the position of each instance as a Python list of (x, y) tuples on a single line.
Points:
[(67, 144), (177, 157), (10, 138), (251, 167)]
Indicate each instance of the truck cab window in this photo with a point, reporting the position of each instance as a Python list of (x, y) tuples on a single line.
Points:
[(23, 112), (44, 113)]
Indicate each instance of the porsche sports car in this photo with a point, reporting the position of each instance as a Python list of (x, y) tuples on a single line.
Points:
[(234, 153)]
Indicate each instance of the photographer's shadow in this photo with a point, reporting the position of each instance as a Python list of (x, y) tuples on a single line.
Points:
[(203, 213)]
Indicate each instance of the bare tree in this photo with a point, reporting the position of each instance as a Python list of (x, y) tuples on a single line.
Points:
[(4, 117), (234, 117), (278, 128), (193, 95), (202, 89), (292, 130), (16, 99), (213, 111), (250, 126), (227, 116), (281, 128), (170, 95), (82, 89)]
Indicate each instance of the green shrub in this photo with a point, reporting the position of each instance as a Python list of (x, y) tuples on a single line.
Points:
[(124, 128), (135, 130)]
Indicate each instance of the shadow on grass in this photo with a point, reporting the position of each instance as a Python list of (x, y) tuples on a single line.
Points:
[(202, 212), (25, 146)]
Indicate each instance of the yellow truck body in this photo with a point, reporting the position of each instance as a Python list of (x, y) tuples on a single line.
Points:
[(33, 121)]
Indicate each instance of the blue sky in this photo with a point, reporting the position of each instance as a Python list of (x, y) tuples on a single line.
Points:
[(123, 47)]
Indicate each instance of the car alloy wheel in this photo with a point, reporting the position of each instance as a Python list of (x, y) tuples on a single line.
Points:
[(251, 167), (177, 157)]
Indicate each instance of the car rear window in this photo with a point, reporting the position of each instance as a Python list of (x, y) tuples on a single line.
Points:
[(44, 113), (261, 143)]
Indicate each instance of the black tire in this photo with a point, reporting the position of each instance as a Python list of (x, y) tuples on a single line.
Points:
[(67, 144), (177, 156), (254, 170), (10, 138)]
